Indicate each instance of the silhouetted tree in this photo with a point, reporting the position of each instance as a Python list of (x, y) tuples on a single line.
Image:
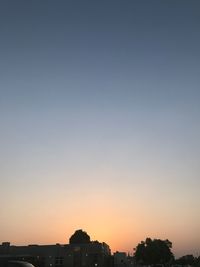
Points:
[(154, 251), (197, 261), (79, 237), (187, 260)]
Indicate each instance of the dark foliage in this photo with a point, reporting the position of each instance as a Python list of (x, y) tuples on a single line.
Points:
[(154, 251), (79, 237), (188, 260)]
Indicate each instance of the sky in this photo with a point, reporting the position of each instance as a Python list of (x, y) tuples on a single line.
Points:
[(99, 122)]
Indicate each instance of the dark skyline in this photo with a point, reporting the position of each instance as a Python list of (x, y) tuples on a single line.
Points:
[(99, 114)]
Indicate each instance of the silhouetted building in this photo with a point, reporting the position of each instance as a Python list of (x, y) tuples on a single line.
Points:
[(81, 252), (91, 254), (40, 256), (122, 260)]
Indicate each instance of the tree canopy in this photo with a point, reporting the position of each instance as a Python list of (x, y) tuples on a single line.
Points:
[(187, 260), (154, 251), (79, 237)]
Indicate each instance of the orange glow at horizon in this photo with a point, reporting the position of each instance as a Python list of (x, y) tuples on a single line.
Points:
[(102, 213)]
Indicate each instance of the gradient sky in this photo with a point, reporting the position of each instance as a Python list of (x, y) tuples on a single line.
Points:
[(100, 121)]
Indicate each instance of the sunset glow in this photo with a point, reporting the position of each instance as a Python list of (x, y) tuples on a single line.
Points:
[(99, 115)]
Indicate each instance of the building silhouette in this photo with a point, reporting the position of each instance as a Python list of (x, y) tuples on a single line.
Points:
[(80, 252)]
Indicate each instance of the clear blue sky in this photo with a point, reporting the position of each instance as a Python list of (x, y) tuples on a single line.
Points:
[(99, 107)]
